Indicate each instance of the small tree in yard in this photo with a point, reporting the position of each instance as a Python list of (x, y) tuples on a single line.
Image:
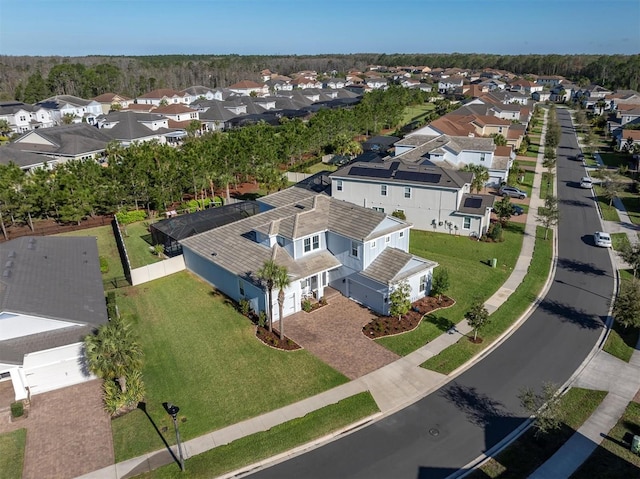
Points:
[(550, 214), (440, 282), (477, 317), (400, 299), (626, 307), (631, 255), (281, 281), (544, 405), (503, 210)]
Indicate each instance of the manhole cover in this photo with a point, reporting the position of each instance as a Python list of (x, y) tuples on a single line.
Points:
[(434, 432)]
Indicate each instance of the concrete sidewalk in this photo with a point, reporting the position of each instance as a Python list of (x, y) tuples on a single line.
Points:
[(393, 387)]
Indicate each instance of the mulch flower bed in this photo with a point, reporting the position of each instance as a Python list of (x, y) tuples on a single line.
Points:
[(390, 325), (272, 338)]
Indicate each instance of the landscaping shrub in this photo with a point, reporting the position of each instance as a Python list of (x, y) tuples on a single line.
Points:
[(399, 214), (196, 205), (112, 310), (17, 409), (244, 306), (128, 217), (306, 306), (104, 264)]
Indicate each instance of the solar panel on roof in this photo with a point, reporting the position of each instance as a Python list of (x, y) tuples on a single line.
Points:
[(473, 202), (370, 172), (418, 177)]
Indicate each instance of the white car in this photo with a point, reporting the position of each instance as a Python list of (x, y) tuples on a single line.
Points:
[(602, 239), (586, 182)]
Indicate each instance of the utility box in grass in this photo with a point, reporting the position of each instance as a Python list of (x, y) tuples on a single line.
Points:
[(635, 445), (494, 262)]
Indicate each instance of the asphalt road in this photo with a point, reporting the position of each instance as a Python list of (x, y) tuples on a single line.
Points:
[(444, 431)]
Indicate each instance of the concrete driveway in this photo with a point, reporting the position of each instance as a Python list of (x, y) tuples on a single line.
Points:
[(333, 333)]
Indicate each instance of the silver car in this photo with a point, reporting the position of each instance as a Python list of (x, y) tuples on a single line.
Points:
[(512, 191)]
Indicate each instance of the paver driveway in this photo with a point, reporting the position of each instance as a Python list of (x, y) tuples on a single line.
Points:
[(333, 333), (68, 433)]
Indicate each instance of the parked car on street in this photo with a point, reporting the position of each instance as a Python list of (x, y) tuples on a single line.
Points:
[(512, 191), (586, 182), (517, 210), (602, 239)]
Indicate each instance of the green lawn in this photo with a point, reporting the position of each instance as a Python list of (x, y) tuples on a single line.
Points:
[(527, 453), (137, 240), (609, 212), (416, 112), (546, 185), (250, 449), (201, 354), (613, 458), (107, 249), (318, 167), (631, 202), (461, 352), (467, 263), (615, 159), (12, 456), (619, 241), (621, 341)]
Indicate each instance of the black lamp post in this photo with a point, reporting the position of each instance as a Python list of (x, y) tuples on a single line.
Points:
[(173, 410)]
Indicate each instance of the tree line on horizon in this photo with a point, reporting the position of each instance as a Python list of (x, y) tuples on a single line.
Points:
[(32, 79)]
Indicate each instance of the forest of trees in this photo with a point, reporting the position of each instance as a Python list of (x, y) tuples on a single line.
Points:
[(154, 177), (31, 79)]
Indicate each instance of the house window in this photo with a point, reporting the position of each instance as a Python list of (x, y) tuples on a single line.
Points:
[(377, 208), (354, 249), (311, 243), (280, 240), (383, 190), (387, 239), (401, 234), (338, 185), (482, 155), (466, 223), (241, 286), (423, 283), (373, 244), (407, 192)]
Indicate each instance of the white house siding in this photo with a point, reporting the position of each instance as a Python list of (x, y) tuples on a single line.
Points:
[(56, 368), (424, 206)]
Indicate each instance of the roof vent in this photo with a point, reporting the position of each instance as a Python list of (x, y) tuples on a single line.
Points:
[(8, 264), (299, 206), (12, 254), (214, 254), (6, 273)]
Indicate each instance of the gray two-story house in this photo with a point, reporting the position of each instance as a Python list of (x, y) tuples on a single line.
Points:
[(323, 242), (430, 197)]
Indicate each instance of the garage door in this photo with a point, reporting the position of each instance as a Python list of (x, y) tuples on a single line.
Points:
[(366, 296), (55, 368)]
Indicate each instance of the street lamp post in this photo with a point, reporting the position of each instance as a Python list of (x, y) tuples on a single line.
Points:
[(173, 410)]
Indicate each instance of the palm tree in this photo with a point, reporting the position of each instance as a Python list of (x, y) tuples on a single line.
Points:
[(480, 176), (113, 352), (281, 281), (268, 273)]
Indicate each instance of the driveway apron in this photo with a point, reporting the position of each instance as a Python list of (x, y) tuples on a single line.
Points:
[(333, 334)]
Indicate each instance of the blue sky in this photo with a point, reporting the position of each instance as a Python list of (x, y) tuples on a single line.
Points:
[(283, 27)]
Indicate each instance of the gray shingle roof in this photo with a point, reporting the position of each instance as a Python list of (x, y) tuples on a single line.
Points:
[(24, 159), (65, 140), (53, 277), (476, 204)]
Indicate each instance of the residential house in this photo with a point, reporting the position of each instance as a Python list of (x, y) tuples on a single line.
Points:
[(629, 140), (79, 109), (112, 101), (248, 88), (194, 93), (51, 297), (127, 127), (23, 117), (78, 141), (335, 83), (179, 116), (305, 82), (543, 95), (323, 242), (450, 84), (376, 83), (164, 96), (23, 159), (524, 87), (454, 152), (550, 81), (430, 197)]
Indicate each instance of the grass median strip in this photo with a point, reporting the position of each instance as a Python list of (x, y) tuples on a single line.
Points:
[(527, 453), (461, 352), (278, 439)]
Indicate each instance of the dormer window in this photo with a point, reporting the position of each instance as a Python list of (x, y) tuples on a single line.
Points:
[(311, 243)]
